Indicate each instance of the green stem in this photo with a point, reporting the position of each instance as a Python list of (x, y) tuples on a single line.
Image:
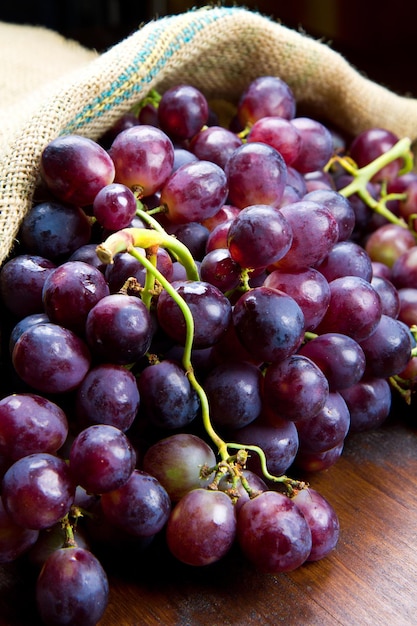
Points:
[(363, 175), (129, 238)]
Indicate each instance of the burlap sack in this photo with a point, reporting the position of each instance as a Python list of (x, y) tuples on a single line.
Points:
[(219, 50)]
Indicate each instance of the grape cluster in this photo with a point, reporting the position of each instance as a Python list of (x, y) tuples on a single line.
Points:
[(195, 310)]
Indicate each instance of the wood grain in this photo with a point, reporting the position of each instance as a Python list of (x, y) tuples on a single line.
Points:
[(369, 579)]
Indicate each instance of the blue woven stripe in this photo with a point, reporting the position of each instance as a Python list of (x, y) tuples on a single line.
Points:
[(124, 87)]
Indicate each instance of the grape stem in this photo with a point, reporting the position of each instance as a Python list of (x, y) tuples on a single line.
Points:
[(362, 176)]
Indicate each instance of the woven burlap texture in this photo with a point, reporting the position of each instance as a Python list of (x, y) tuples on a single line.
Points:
[(219, 50)]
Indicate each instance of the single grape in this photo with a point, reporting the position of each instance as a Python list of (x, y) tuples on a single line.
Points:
[(354, 309), (54, 231), (69, 293), (322, 520), (101, 458), (404, 270), (266, 96), (140, 507), (24, 324), (388, 242), (314, 461), (388, 349), (389, 295), (202, 527), (167, 398), (314, 231), (181, 157), (50, 358), (108, 394), (339, 357), (219, 269), (194, 192), (269, 323), (210, 308), (21, 282), (114, 206), (369, 403), (408, 305), (259, 236), (256, 174), (346, 258), (182, 112), (126, 266), (215, 144), (316, 146), (143, 157), (72, 588), (119, 329), (234, 394), (194, 236), (294, 389), (75, 168), (278, 133), (176, 461), (38, 490), (273, 533), (279, 443), (30, 423)]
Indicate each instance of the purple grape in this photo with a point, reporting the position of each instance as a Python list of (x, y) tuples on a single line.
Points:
[(30, 423), (108, 394), (322, 520), (21, 282), (114, 206), (388, 349), (215, 144), (126, 266), (273, 533), (119, 329), (256, 174), (259, 236), (140, 507), (101, 458), (176, 461), (369, 403), (195, 192), (50, 358), (266, 96), (279, 443), (14, 539), (69, 293), (167, 398), (269, 324), (407, 306), (193, 235), (339, 357), (72, 588), (143, 157), (278, 133), (210, 308), (182, 111), (372, 143), (314, 234), (346, 258), (354, 309), (294, 389), (202, 527), (75, 168), (181, 157), (404, 270), (38, 490), (316, 147), (54, 231), (389, 295), (219, 269), (24, 324), (234, 394), (313, 461)]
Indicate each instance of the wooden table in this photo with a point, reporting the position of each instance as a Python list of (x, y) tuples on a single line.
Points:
[(370, 579)]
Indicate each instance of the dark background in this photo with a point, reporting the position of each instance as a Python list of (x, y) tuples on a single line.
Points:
[(377, 38)]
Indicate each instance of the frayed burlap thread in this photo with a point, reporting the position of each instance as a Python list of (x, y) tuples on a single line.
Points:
[(219, 50)]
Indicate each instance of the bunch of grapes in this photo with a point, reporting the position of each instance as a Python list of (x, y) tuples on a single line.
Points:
[(196, 312)]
